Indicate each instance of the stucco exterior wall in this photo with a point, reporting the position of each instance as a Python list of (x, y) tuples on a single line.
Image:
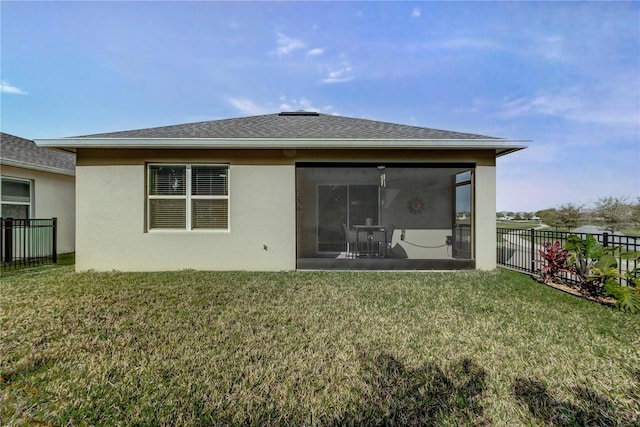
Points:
[(485, 217), (112, 235), (53, 196), (111, 230)]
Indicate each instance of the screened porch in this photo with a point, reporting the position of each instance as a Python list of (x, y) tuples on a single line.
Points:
[(385, 216)]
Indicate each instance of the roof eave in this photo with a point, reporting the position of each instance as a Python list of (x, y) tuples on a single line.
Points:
[(37, 167), (502, 146)]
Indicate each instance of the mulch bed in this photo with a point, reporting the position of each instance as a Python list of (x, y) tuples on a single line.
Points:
[(572, 290)]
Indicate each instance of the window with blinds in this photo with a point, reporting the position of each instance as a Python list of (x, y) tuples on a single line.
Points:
[(15, 195), (188, 197)]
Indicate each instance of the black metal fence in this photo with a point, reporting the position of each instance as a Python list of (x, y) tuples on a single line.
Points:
[(27, 242), (518, 249)]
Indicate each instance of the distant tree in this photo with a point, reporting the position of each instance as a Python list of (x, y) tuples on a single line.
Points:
[(613, 213), (635, 213), (549, 217), (569, 215)]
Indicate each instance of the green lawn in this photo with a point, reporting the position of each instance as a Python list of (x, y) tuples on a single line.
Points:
[(310, 348), (518, 225)]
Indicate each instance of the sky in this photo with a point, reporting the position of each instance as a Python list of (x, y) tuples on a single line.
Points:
[(564, 76)]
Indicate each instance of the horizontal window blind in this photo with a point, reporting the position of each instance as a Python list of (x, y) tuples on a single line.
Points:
[(208, 181), (167, 180), (207, 213), (16, 191), (168, 213)]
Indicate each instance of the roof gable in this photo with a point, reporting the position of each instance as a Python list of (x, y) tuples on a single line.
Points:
[(21, 152)]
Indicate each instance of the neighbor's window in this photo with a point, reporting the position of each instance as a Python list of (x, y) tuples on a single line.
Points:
[(188, 197), (16, 198)]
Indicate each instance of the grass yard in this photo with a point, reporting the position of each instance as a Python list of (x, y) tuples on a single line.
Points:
[(518, 225), (310, 348)]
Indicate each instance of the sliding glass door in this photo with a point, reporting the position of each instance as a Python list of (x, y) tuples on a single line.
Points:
[(344, 205)]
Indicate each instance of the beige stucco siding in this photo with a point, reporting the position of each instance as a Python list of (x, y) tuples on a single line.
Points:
[(111, 229), (53, 196), (112, 235), (485, 217)]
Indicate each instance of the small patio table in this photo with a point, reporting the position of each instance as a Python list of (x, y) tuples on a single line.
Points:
[(369, 229)]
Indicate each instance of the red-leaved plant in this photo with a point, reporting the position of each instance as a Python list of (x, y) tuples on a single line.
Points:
[(555, 258)]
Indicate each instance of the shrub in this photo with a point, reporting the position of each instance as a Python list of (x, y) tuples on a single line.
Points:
[(554, 258), (596, 267)]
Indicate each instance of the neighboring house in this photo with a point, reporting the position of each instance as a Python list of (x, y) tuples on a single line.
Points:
[(38, 183), (285, 191)]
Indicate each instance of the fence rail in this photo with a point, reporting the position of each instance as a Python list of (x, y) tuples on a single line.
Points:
[(27, 242), (518, 249)]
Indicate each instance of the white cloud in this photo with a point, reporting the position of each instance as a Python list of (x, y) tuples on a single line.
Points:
[(340, 75), (609, 105), (249, 107), (304, 104), (287, 44), (5, 87), (415, 13), (252, 108), (552, 48), (315, 52), (467, 43), (549, 105)]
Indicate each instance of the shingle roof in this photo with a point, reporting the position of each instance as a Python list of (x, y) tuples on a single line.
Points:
[(24, 152), (300, 125), (294, 130)]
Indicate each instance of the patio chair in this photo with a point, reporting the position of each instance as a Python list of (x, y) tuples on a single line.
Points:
[(384, 236), (351, 241)]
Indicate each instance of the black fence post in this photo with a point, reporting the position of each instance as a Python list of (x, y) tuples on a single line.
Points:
[(8, 240), (54, 243), (533, 250), (605, 239)]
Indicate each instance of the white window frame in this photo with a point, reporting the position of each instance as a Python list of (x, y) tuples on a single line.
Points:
[(188, 197), (28, 204)]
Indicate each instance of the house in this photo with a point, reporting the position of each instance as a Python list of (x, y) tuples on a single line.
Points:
[(38, 183), (285, 191)]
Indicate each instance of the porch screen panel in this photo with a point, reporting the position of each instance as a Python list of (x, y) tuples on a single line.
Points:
[(332, 213), (363, 204), (416, 212), (462, 232)]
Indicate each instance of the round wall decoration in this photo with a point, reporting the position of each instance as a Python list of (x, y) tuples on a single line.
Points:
[(416, 206)]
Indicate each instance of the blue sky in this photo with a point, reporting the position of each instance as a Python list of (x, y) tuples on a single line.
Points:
[(565, 75)]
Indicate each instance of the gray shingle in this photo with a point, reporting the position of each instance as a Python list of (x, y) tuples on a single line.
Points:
[(293, 126), (26, 151)]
